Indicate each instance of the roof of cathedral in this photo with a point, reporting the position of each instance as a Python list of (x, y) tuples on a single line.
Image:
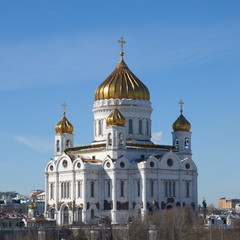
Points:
[(115, 118), (64, 126), (122, 83)]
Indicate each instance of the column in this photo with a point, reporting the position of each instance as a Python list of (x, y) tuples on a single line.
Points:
[(114, 198), (73, 194), (56, 193), (46, 194), (144, 195), (84, 196)]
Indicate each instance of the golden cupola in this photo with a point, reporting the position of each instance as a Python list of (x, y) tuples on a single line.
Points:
[(122, 83), (181, 124), (64, 126), (115, 118)]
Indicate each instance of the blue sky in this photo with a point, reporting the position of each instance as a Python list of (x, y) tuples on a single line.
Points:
[(60, 51)]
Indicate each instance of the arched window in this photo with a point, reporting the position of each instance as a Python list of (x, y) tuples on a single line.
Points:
[(187, 189), (92, 188), (140, 126), (51, 191), (170, 189), (186, 143), (109, 188), (130, 126), (122, 188), (79, 189), (147, 127), (120, 139), (100, 127), (68, 143), (92, 213), (176, 143), (166, 188), (138, 188), (110, 139), (152, 188), (79, 215), (174, 189), (65, 216), (62, 189), (52, 213), (58, 145)]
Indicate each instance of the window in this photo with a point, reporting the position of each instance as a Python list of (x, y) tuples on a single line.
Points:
[(79, 188), (61, 190), (92, 213), (92, 188), (170, 188), (79, 215), (110, 139), (186, 143), (140, 127), (58, 145), (187, 189), (130, 126), (100, 127), (152, 188), (174, 189), (121, 188), (68, 143), (138, 188), (109, 188), (176, 143), (65, 216), (120, 139), (51, 191), (166, 188), (147, 127), (52, 214)]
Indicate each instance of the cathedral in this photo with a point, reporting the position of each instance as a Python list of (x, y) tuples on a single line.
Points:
[(121, 174)]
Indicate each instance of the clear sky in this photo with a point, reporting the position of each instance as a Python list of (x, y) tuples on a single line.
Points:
[(60, 51)]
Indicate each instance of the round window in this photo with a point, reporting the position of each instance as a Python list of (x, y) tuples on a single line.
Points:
[(64, 163), (122, 164), (187, 165), (108, 164), (78, 164), (169, 162), (151, 164), (51, 167)]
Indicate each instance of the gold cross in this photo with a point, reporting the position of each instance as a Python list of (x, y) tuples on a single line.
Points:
[(64, 105), (121, 41), (181, 103)]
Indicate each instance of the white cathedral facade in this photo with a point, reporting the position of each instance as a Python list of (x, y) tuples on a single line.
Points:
[(122, 173)]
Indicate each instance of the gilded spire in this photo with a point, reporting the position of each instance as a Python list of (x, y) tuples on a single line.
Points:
[(181, 124), (122, 42), (64, 126)]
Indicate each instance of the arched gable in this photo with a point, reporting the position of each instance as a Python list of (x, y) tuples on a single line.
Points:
[(170, 161)]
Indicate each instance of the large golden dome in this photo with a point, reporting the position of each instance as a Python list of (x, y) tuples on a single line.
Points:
[(181, 124), (64, 126), (116, 118), (122, 83)]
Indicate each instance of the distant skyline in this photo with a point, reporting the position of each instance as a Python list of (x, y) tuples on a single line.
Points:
[(58, 51)]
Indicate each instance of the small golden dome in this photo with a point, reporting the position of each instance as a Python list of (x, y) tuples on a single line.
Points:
[(116, 118), (122, 83), (64, 126), (181, 124)]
